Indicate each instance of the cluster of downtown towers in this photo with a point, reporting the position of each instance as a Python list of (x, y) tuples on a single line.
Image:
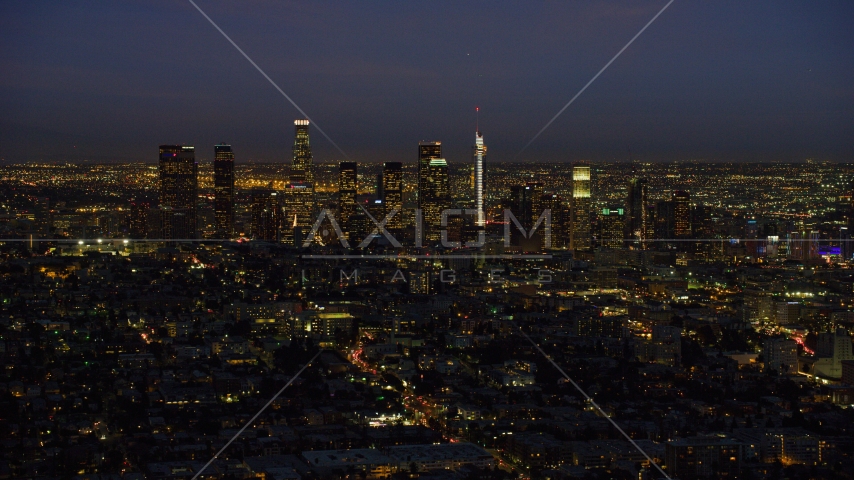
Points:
[(290, 215)]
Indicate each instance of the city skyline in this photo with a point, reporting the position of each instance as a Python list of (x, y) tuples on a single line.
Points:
[(566, 342), (650, 276)]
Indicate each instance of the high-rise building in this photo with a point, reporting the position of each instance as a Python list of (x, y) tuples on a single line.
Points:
[(479, 153), (663, 221), (516, 202), (138, 222), (299, 213), (224, 190), (436, 198), (703, 223), (299, 193), (526, 204), (611, 227), (303, 168), (681, 214), (392, 193), (426, 151), (178, 191), (360, 226), (560, 216), (347, 191), (581, 205), (266, 216), (41, 210), (636, 211), (795, 244), (534, 200), (812, 251)]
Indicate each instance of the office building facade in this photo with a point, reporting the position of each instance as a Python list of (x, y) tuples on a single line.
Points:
[(426, 151), (224, 190), (266, 215), (392, 194), (179, 186), (581, 205), (302, 169), (348, 176), (435, 198)]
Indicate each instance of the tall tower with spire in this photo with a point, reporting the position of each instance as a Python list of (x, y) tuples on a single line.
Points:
[(299, 194), (302, 169), (479, 153)]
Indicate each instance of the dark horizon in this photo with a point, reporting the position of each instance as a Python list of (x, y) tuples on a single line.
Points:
[(765, 81)]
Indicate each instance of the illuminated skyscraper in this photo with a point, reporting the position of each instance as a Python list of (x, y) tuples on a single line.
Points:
[(436, 197), (426, 151), (392, 193), (526, 201), (534, 202), (560, 216), (637, 217), (299, 212), (681, 214), (612, 227), (299, 194), (796, 243), (812, 251), (266, 216), (178, 191), (479, 153), (303, 167), (347, 190), (580, 206), (528, 204), (224, 190)]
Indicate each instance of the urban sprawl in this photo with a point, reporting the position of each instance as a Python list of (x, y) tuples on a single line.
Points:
[(698, 314)]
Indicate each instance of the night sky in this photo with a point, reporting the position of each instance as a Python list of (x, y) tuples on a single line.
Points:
[(721, 80)]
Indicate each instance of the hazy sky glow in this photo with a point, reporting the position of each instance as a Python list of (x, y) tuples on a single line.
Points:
[(723, 80)]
